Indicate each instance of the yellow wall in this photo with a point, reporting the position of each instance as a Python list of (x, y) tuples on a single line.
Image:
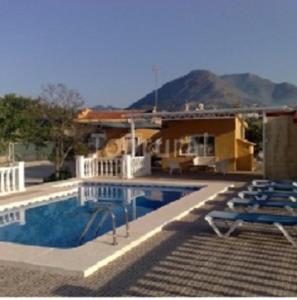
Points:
[(222, 129), (245, 155), (115, 138), (229, 146), (114, 142), (239, 128), (244, 150)]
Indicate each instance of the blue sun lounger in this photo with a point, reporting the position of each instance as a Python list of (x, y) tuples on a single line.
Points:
[(239, 219), (267, 195), (255, 204), (284, 187), (272, 182)]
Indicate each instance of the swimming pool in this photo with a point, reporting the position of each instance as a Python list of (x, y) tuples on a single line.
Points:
[(92, 211)]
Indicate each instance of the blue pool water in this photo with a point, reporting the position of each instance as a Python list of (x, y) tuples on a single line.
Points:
[(72, 221)]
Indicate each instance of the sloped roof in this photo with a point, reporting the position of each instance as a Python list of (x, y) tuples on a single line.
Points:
[(89, 115)]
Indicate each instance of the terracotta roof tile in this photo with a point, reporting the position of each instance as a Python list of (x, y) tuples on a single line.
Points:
[(91, 115)]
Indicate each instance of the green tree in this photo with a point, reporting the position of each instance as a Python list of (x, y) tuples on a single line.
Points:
[(20, 120), (254, 132)]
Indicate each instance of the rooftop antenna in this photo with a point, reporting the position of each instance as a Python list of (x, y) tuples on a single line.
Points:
[(156, 70)]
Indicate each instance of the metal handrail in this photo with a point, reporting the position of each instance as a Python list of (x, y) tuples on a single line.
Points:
[(108, 212)]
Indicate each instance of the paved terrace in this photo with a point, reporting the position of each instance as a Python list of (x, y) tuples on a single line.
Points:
[(185, 259)]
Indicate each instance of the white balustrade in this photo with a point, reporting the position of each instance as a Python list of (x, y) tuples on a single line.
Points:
[(93, 166), (126, 166), (12, 179), (109, 166), (141, 165)]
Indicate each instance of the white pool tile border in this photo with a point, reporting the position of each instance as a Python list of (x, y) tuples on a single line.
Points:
[(44, 198), (88, 258)]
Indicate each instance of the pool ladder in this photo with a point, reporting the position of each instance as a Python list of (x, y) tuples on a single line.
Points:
[(108, 211)]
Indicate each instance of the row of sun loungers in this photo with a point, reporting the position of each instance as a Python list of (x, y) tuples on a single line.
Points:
[(268, 195), (282, 196), (266, 185), (254, 205), (270, 182)]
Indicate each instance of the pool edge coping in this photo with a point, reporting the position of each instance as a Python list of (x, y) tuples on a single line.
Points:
[(39, 254), (148, 235)]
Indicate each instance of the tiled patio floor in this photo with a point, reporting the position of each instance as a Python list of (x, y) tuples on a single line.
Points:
[(185, 259)]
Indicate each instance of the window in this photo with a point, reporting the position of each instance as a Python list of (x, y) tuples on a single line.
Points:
[(97, 140), (199, 145), (161, 148)]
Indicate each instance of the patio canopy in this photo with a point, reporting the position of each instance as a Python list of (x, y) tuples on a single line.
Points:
[(205, 113), (138, 124)]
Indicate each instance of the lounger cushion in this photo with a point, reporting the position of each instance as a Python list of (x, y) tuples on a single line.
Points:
[(253, 217), (268, 194), (249, 202), (274, 187), (263, 182)]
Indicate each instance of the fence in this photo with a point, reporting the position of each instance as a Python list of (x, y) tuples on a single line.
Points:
[(124, 167), (25, 152), (31, 152), (12, 179)]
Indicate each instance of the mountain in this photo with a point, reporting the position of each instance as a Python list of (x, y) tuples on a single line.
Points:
[(100, 107), (214, 91), (263, 90)]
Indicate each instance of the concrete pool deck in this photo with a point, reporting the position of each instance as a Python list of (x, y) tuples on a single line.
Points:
[(184, 259), (86, 259)]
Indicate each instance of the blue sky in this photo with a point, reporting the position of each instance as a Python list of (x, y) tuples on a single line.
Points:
[(106, 49)]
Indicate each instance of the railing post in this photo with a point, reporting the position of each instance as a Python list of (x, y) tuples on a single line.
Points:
[(95, 164), (80, 170), (21, 176), (7, 180), (127, 166), (132, 126), (13, 179)]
